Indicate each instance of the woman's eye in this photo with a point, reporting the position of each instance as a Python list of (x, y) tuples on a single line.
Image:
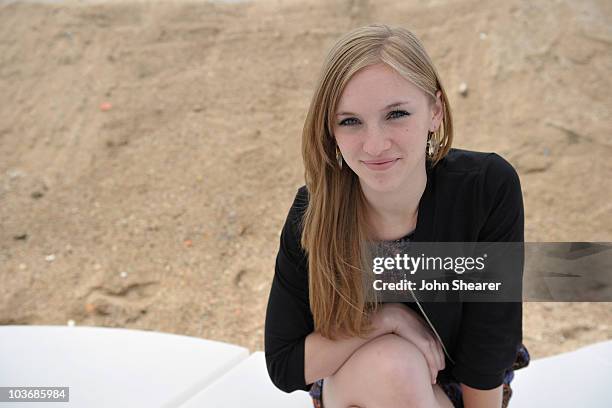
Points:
[(398, 113), (347, 122)]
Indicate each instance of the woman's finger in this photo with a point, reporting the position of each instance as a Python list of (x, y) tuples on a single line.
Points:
[(439, 354), (430, 358), (442, 357), (435, 351)]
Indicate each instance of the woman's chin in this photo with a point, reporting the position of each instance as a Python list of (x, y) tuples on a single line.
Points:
[(379, 185)]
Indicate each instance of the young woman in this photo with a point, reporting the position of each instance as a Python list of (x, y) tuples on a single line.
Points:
[(379, 167)]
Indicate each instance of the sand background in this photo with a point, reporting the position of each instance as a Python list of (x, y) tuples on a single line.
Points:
[(164, 211)]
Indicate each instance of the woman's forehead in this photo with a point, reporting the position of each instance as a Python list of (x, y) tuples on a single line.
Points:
[(377, 87)]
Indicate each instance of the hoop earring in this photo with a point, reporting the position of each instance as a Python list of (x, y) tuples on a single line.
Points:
[(339, 157)]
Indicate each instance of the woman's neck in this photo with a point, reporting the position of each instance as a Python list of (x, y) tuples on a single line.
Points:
[(394, 214)]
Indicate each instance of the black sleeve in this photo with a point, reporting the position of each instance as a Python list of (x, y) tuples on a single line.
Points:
[(288, 316), (491, 332)]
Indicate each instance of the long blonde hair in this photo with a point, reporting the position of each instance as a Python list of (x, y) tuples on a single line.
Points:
[(334, 228)]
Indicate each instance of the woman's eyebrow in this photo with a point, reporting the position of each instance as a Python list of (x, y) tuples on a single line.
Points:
[(392, 105)]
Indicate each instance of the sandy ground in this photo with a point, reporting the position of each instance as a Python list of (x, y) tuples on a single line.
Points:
[(149, 151)]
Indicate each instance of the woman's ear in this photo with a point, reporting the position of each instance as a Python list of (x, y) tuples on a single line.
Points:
[(437, 112)]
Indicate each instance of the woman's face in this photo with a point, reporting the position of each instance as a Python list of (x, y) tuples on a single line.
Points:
[(381, 127)]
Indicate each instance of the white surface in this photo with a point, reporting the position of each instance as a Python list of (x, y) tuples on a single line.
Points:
[(107, 367), (248, 385), (577, 379)]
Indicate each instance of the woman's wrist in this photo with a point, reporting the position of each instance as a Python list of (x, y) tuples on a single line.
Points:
[(383, 322)]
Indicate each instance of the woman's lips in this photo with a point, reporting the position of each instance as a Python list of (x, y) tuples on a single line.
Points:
[(380, 166)]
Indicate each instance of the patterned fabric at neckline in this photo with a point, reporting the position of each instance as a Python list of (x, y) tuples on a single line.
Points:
[(405, 238)]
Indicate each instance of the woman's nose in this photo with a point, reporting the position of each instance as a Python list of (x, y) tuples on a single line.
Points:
[(375, 142)]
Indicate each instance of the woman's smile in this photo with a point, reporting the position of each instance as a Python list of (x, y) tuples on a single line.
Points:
[(380, 165)]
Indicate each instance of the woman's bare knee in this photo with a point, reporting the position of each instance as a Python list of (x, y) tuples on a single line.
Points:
[(387, 371), (395, 357)]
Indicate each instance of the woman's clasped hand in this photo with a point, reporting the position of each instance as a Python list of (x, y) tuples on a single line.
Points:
[(401, 320)]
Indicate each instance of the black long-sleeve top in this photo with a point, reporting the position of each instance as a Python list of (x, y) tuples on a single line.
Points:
[(469, 197)]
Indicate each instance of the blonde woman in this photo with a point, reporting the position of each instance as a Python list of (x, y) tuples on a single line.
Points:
[(379, 167)]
